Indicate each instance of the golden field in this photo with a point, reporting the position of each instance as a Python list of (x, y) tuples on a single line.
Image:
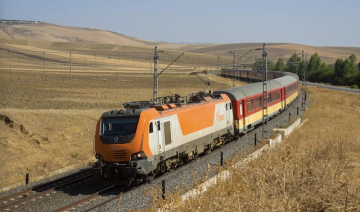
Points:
[(48, 119)]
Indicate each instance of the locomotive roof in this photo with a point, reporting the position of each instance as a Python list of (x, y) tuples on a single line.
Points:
[(241, 92), (119, 113)]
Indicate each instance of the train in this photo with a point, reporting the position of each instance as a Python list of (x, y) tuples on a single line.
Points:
[(148, 138)]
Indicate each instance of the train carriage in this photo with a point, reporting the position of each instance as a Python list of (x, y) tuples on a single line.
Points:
[(248, 101)]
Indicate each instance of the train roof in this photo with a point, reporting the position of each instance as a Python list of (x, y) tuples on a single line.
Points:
[(275, 74), (241, 92)]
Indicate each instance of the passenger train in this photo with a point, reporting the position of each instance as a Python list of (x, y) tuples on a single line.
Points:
[(148, 138)]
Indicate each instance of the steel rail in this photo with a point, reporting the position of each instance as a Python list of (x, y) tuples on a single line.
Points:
[(84, 199), (41, 193), (116, 197), (43, 184)]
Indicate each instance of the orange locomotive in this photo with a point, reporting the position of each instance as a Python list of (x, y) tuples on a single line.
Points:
[(135, 144)]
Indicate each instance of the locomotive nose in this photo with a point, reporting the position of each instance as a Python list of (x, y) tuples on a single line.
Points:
[(117, 152)]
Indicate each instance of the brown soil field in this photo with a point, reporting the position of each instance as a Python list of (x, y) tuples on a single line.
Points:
[(47, 119), (316, 168)]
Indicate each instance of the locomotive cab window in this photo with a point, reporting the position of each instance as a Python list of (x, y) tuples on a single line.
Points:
[(230, 106), (122, 126), (151, 127)]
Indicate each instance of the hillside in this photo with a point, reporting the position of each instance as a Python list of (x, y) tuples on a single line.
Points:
[(47, 35), (40, 31)]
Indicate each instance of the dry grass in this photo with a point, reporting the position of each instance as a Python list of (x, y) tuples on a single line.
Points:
[(315, 169)]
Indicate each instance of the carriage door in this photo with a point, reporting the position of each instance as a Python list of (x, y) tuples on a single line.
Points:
[(228, 111), (159, 137), (167, 138)]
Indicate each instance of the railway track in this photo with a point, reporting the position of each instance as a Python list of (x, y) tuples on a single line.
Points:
[(73, 205), (20, 198)]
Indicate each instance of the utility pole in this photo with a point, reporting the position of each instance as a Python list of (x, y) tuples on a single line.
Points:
[(44, 60), (265, 95), (95, 62), (303, 100), (156, 74), (303, 60), (156, 62), (70, 61), (234, 56), (256, 64)]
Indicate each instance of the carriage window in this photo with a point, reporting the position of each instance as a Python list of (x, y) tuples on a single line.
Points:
[(256, 103), (150, 127), (279, 95), (252, 104), (248, 106), (269, 98), (240, 108), (260, 101)]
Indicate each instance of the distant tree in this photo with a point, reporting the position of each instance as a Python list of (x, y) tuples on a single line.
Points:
[(347, 66), (321, 74), (324, 66), (352, 59), (314, 62), (279, 66), (258, 65), (293, 63)]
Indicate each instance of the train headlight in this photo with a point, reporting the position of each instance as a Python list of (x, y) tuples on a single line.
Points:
[(99, 157), (138, 156)]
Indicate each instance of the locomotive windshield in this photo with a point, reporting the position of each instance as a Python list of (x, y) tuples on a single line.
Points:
[(122, 126)]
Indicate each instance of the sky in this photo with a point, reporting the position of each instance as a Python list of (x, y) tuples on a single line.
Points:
[(309, 22)]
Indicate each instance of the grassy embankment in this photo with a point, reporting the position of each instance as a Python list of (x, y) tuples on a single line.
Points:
[(316, 168)]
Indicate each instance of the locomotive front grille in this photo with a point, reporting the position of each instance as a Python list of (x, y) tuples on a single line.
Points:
[(116, 154)]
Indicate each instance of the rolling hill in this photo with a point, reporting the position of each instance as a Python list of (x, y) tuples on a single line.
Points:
[(52, 36)]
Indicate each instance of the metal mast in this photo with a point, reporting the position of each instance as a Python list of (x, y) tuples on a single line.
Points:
[(156, 74), (304, 79), (265, 95), (156, 61), (234, 56)]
